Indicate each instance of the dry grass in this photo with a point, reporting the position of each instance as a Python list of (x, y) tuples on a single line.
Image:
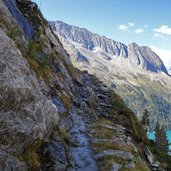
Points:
[(102, 122), (101, 131), (107, 161), (44, 72), (31, 157), (100, 146), (66, 101), (139, 166)]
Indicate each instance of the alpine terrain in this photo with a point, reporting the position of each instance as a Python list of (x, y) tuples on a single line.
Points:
[(136, 73), (54, 117)]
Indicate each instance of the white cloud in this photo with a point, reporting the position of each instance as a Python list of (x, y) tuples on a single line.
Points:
[(158, 35), (164, 54), (163, 29), (130, 27), (131, 24), (138, 31), (123, 27)]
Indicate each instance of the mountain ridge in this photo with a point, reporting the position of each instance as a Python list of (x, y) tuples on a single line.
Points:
[(92, 41)]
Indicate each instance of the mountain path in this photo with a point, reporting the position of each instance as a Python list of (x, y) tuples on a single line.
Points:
[(81, 154)]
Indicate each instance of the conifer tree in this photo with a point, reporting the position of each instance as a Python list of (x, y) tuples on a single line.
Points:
[(161, 138), (145, 119)]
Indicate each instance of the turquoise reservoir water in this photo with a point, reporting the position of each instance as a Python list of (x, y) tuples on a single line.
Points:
[(151, 136)]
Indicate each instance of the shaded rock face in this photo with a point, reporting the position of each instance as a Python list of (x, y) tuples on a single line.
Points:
[(54, 157), (27, 27)]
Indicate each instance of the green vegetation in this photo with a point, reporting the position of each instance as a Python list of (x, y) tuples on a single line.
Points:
[(102, 132), (122, 114), (100, 146), (145, 120), (161, 138), (38, 60), (160, 147), (162, 157), (107, 161), (74, 73), (13, 33), (139, 166)]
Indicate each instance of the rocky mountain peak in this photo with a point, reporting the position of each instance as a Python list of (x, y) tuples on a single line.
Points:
[(142, 56), (145, 58)]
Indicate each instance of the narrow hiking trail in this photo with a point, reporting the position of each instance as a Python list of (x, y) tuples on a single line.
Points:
[(82, 154)]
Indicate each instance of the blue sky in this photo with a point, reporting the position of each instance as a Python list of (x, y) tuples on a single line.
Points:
[(146, 22)]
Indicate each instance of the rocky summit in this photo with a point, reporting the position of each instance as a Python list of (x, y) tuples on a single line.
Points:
[(54, 117), (135, 72)]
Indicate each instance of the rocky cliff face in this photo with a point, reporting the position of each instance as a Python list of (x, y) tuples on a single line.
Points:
[(136, 73), (146, 58), (54, 117)]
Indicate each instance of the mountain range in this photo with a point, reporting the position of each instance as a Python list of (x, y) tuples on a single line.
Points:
[(135, 72)]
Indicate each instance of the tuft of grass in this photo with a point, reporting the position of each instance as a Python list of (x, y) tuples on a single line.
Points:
[(102, 132), (31, 156), (139, 132), (66, 101), (102, 122), (60, 76), (105, 146), (74, 73), (39, 61), (139, 166), (107, 161), (44, 72), (13, 33)]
